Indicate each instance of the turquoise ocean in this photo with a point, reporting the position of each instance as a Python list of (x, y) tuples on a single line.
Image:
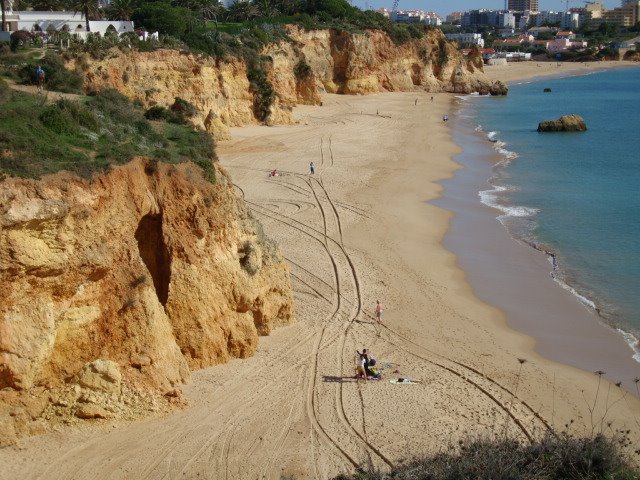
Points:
[(574, 195)]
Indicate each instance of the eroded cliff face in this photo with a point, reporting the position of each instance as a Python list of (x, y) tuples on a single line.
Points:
[(340, 62), (149, 269)]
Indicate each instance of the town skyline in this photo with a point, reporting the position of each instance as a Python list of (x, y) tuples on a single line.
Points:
[(445, 7)]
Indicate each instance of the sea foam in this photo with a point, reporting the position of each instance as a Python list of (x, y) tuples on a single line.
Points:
[(491, 199)]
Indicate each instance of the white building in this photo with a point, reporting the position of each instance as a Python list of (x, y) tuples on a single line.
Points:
[(72, 22), (567, 20), (416, 16), (466, 39)]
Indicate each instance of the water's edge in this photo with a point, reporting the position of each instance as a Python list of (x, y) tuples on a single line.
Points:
[(518, 279)]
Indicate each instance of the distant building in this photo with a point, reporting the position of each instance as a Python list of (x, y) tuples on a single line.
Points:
[(474, 18), (416, 16), (569, 20), (466, 39), (563, 44), (625, 16), (535, 31), (454, 17), (523, 5)]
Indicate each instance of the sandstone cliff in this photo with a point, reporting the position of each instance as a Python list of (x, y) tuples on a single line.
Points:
[(126, 282), (340, 62)]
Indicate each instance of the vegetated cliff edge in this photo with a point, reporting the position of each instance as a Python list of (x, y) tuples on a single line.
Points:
[(339, 62), (149, 269)]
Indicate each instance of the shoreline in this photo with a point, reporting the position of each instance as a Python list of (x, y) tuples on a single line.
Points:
[(363, 228), (496, 260), (520, 76)]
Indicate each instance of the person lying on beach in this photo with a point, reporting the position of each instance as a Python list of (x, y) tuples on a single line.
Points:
[(274, 173)]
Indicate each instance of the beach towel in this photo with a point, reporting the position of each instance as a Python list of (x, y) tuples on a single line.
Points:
[(403, 381)]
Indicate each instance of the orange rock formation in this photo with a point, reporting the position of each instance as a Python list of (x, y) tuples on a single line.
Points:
[(136, 277), (341, 62)]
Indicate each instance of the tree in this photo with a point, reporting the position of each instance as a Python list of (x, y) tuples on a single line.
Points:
[(288, 7), (89, 8), (120, 10), (242, 10), (163, 18), (210, 9), (267, 8), (47, 5), (4, 17)]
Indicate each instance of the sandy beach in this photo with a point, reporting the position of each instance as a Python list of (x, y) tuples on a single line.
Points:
[(519, 71), (361, 229)]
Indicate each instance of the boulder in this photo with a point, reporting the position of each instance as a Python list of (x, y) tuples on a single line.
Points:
[(566, 123), (101, 375), (498, 88), (92, 411)]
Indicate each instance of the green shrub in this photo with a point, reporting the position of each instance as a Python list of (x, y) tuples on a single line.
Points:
[(263, 93), (157, 113), (88, 136), (58, 78), (551, 458), (183, 108), (302, 70), (5, 91), (57, 120)]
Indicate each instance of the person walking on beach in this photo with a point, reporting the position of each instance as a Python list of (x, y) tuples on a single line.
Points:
[(40, 78), (312, 168), (378, 312)]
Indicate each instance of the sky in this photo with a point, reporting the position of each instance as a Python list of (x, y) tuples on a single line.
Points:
[(444, 7)]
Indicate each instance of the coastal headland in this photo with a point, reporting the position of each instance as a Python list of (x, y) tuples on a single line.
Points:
[(360, 229)]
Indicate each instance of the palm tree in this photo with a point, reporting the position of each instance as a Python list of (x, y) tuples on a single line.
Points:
[(210, 10), (120, 10), (47, 5), (89, 9), (242, 10), (267, 8)]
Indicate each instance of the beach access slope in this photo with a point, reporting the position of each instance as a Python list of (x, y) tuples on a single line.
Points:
[(360, 230)]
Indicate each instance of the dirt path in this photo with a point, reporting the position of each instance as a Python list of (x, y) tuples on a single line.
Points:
[(48, 95)]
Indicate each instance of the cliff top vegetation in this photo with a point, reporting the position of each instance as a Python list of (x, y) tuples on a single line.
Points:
[(208, 27), (85, 135)]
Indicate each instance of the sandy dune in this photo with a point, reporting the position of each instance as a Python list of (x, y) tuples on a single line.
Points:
[(359, 230)]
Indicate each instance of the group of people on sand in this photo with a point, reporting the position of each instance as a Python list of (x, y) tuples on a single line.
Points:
[(366, 364)]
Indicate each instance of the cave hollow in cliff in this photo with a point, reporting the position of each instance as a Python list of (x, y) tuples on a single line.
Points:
[(155, 254)]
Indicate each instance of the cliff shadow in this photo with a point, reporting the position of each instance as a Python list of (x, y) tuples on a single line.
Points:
[(155, 254)]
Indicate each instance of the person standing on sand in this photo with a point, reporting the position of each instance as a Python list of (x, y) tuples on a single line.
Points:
[(312, 168), (378, 312), (364, 362)]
